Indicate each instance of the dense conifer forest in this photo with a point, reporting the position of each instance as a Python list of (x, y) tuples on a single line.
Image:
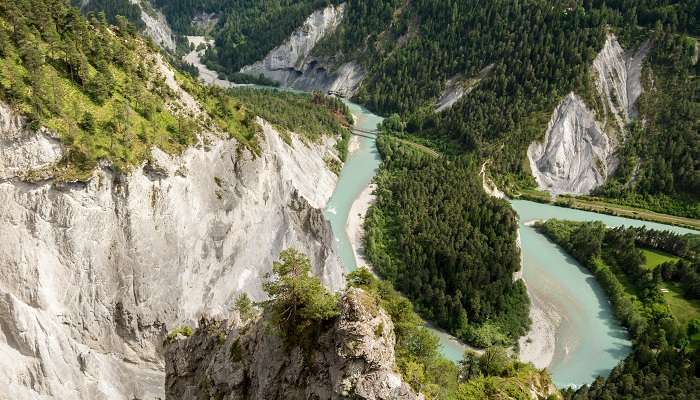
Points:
[(645, 288), (447, 245)]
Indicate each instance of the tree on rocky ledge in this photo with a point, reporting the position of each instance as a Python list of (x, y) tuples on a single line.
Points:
[(298, 300)]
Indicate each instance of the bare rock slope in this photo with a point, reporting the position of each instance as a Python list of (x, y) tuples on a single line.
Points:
[(292, 65), (352, 358), (578, 151), (94, 274)]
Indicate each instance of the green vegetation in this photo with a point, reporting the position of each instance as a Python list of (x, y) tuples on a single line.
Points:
[(88, 82), (665, 346), (245, 307), (310, 115), (98, 87), (298, 301), (447, 245), (653, 258), (685, 310), (111, 9), (185, 331), (539, 51), (493, 375), (246, 30)]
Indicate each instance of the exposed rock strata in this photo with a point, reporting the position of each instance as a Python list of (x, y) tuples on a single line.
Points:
[(94, 273), (618, 80), (576, 155), (578, 152), (456, 87), (352, 358), (292, 65), (156, 26)]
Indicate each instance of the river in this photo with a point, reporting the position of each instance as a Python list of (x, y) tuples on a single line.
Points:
[(575, 334)]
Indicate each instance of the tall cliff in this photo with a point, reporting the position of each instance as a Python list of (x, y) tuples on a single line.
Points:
[(352, 358), (292, 65), (578, 151), (96, 272)]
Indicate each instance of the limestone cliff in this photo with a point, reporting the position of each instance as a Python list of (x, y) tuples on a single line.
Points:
[(292, 65), (352, 358), (578, 151), (94, 273)]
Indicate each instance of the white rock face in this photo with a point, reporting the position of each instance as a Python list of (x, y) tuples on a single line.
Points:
[(292, 65), (157, 27), (93, 275), (577, 154), (618, 80), (21, 149), (456, 87)]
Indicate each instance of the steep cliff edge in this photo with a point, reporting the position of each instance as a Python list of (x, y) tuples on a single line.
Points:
[(352, 358), (96, 272), (292, 65), (577, 154)]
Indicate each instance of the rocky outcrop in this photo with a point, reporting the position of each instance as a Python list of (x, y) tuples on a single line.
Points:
[(618, 80), (205, 75), (21, 148), (456, 87), (576, 155), (578, 151), (352, 358), (94, 273), (156, 26), (292, 64)]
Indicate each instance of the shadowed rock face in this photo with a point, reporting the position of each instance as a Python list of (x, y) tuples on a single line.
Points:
[(292, 65), (577, 154), (94, 273), (352, 358)]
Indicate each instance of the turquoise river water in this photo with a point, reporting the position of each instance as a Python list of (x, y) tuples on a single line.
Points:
[(588, 340)]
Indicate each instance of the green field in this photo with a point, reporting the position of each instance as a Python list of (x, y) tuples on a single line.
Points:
[(654, 258), (682, 309)]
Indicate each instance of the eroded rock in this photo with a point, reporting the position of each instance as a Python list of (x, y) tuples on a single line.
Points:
[(352, 358)]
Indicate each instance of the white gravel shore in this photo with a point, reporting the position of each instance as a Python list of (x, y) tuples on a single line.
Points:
[(355, 225), (537, 346)]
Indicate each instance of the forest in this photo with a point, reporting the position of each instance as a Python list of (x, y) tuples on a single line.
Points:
[(666, 339), (447, 245)]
